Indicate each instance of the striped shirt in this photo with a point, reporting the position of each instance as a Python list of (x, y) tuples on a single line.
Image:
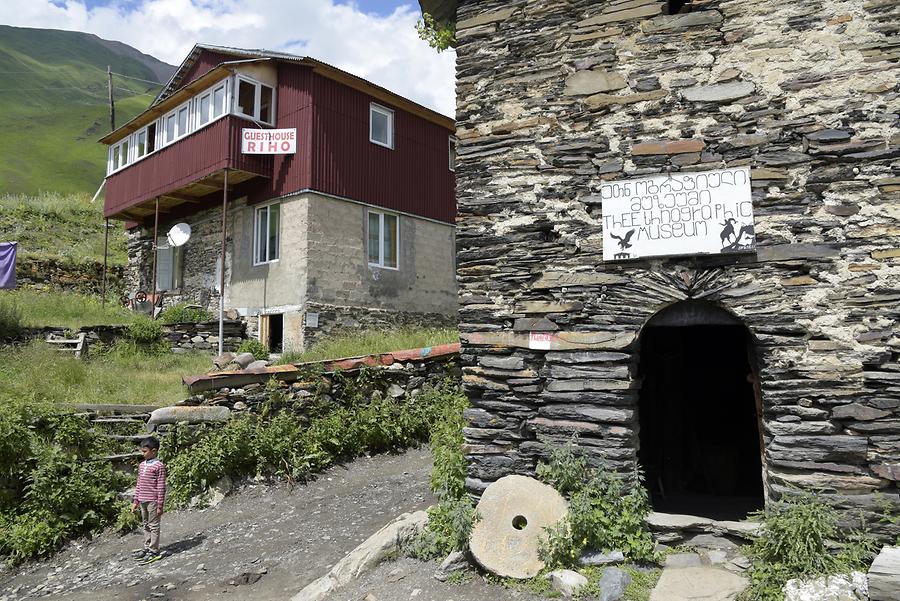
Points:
[(151, 482)]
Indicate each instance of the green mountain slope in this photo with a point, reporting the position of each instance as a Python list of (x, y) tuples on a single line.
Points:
[(54, 106)]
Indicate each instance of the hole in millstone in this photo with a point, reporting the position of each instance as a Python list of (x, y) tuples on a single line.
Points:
[(519, 522)]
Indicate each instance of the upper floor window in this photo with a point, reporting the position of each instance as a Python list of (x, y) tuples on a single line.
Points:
[(266, 234), (451, 147), (255, 100), (381, 125), (383, 239)]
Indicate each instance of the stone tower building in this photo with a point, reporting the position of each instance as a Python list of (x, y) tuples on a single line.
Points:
[(679, 239)]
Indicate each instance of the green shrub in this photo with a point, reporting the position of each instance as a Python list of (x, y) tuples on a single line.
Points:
[(145, 331), (605, 513), (255, 348), (10, 320), (294, 447), (450, 521), (184, 313), (58, 492), (794, 543)]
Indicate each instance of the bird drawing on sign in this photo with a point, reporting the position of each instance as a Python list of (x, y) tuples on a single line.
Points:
[(624, 242)]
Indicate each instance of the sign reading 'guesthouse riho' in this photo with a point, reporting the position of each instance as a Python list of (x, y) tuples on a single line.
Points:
[(268, 141), (707, 212)]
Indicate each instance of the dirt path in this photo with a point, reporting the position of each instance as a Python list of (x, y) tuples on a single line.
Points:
[(291, 538)]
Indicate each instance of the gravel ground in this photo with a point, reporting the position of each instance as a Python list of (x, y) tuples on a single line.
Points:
[(280, 538), (408, 579)]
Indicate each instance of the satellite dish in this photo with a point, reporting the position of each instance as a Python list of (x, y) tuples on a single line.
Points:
[(179, 234)]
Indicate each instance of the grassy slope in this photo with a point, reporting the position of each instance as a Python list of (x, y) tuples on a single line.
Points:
[(66, 227), (53, 108)]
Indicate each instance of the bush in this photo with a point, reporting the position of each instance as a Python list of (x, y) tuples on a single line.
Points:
[(794, 543), (255, 348), (10, 320), (145, 331), (57, 492), (450, 522), (184, 313), (605, 513), (290, 446)]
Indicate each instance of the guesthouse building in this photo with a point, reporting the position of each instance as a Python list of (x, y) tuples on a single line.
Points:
[(338, 197)]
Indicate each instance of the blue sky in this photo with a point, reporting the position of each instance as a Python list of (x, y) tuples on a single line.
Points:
[(374, 39), (376, 7)]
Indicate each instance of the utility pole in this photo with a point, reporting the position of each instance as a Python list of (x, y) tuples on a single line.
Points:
[(112, 105)]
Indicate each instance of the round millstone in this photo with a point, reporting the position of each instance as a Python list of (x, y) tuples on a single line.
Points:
[(513, 512)]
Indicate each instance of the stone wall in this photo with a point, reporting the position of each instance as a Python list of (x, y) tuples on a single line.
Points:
[(182, 337), (322, 261), (556, 97), (334, 320), (50, 274)]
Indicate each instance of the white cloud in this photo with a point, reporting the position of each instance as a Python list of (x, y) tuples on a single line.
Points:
[(383, 49)]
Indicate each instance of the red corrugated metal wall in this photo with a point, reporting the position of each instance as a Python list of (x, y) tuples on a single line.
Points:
[(294, 109), (414, 177), (205, 62)]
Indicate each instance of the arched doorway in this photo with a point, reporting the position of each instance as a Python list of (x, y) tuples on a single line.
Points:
[(699, 412)]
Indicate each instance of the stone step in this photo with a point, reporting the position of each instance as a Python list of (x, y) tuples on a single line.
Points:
[(121, 419)]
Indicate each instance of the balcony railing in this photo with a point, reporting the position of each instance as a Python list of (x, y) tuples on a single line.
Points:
[(185, 170)]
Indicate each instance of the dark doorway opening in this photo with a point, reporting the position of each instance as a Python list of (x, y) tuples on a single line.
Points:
[(699, 418), (276, 332)]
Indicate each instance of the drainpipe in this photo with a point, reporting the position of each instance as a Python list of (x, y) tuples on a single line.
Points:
[(222, 267)]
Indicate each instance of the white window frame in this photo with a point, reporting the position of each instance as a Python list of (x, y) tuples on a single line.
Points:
[(451, 153), (389, 113), (381, 239), (256, 212), (173, 255), (257, 99)]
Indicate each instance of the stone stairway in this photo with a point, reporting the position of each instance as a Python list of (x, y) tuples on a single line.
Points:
[(124, 425)]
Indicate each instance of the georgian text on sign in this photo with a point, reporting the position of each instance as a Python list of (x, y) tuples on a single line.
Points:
[(706, 212)]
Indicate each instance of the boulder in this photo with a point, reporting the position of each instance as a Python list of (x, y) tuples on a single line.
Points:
[(189, 414), (223, 360), (566, 582), (612, 584), (455, 562), (841, 587), (371, 552), (596, 558), (884, 575), (257, 364), (244, 359)]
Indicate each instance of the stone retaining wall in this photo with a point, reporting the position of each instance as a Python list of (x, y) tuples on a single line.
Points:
[(182, 337), (51, 274), (333, 320), (555, 98)]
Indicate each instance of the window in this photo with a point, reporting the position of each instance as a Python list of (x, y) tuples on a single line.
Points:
[(383, 239), (168, 265), (118, 155), (452, 149), (151, 138), (204, 109), (170, 129), (255, 100), (218, 101), (140, 143), (265, 234), (183, 121), (381, 125)]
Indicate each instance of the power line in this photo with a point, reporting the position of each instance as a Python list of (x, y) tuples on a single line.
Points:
[(139, 79)]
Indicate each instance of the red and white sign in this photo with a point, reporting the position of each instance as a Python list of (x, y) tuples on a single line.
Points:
[(268, 141), (541, 341)]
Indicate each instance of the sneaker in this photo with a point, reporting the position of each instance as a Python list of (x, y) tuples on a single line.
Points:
[(140, 553), (151, 557)]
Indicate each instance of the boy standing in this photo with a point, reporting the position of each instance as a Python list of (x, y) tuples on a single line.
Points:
[(150, 496)]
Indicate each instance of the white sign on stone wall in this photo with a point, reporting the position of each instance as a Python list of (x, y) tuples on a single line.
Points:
[(707, 212)]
